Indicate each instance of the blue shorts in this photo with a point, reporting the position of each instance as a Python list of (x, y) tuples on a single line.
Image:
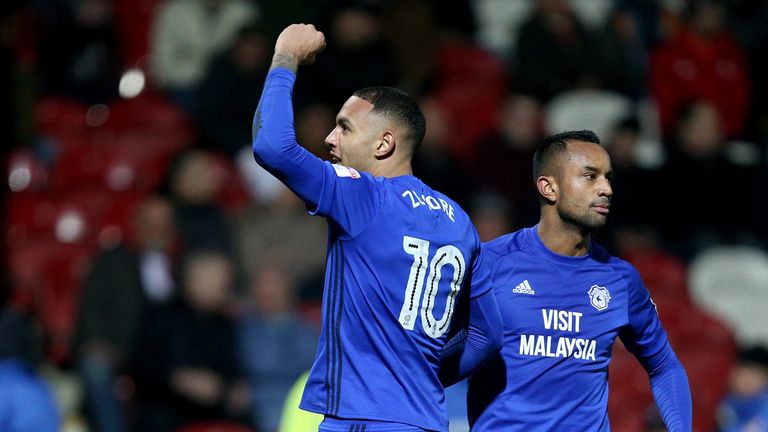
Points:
[(332, 424)]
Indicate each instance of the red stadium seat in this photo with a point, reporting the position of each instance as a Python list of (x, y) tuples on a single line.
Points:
[(24, 264), (81, 166), (63, 143), (139, 160), (148, 111), (117, 221), (62, 278), (55, 115), (74, 216), (29, 216), (108, 216), (706, 348), (141, 136), (628, 421), (471, 86), (233, 196), (133, 22), (665, 276), (119, 161), (47, 276), (630, 394)]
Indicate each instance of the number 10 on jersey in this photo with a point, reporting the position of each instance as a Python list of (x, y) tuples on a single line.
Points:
[(424, 270)]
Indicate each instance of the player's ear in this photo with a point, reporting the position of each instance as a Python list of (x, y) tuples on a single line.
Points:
[(386, 145), (548, 189)]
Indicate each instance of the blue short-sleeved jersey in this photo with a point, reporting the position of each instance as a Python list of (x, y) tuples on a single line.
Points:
[(561, 316)]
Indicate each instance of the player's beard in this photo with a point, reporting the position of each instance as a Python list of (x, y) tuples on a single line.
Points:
[(585, 221)]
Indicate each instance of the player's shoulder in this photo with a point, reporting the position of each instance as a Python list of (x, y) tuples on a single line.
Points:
[(620, 265), (343, 171), (350, 179), (417, 193), (514, 242), (419, 185)]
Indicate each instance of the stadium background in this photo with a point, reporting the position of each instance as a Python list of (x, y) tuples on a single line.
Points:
[(111, 102)]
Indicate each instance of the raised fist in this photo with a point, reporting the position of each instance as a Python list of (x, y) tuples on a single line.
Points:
[(302, 41)]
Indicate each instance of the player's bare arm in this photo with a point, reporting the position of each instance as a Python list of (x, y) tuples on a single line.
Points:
[(298, 44)]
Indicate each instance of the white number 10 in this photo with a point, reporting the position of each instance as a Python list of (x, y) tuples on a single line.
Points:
[(421, 271)]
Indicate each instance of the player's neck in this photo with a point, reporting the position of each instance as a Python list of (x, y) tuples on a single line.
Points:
[(563, 238), (391, 170)]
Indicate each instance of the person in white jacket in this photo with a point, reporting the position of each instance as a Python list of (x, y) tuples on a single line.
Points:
[(186, 34)]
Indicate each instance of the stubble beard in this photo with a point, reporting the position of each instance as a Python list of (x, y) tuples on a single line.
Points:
[(585, 223)]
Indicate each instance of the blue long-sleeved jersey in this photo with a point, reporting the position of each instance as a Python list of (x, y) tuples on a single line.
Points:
[(399, 255), (561, 316)]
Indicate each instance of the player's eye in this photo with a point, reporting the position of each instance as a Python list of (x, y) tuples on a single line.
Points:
[(590, 176)]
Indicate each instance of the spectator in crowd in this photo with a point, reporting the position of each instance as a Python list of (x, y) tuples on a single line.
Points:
[(747, 21), (194, 184), (78, 49), (276, 344), (457, 21), (26, 402), (312, 121), (282, 13), (16, 72), (186, 367), (468, 82), (227, 94), (275, 226), (357, 55), (701, 173), (503, 157), (491, 214), (186, 35), (122, 283), (701, 61), (745, 408), (280, 230), (498, 22), (412, 31), (435, 162), (551, 51), (637, 184), (623, 53)]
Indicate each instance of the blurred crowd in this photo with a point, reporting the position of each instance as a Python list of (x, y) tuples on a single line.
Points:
[(156, 279)]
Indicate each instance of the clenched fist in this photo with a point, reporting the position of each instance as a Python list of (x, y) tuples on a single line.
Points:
[(301, 41)]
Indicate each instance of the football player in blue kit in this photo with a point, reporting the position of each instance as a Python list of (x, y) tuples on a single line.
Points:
[(400, 255), (564, 300)]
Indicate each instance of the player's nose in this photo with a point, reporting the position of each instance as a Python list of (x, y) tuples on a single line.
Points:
[(332, 139), (605, 189)]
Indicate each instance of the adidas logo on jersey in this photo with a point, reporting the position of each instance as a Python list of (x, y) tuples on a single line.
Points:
[(524, 288)]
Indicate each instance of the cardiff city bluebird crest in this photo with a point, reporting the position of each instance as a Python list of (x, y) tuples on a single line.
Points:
[(599, 297)]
